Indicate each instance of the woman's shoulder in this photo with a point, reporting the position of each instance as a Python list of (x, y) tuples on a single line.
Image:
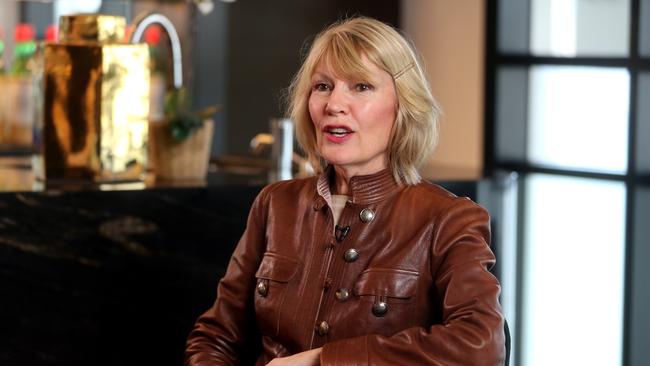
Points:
[(430, 191), (434, 196), (291, 188)]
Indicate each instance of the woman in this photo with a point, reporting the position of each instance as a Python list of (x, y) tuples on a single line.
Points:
[(364, 264)]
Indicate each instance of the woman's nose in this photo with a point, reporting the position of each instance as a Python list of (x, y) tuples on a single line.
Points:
[(337, 101)]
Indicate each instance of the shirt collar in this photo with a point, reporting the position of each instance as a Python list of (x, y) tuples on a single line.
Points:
[(364, 189)]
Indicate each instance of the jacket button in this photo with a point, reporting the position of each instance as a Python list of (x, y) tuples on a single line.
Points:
[(323, 328), (380, 308), (351, 255), (342, 294), (262, 288), (366, 215)]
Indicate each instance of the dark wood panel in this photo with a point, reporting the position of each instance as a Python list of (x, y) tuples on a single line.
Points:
[(264, 51)]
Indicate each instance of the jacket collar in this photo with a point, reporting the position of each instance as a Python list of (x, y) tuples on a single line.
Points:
[(364, 189)]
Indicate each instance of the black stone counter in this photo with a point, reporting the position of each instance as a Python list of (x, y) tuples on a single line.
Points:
[(111, 278), (115, 277)]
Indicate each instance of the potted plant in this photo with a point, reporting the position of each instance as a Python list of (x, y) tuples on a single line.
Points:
[(180, 145)]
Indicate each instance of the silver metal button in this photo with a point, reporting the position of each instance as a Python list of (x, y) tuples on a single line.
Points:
[(262, 288), (351, 255), (366, 215), (342, 294), (323, 328), (380, 308)]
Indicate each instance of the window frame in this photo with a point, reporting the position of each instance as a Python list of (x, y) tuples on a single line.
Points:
[(636, 64)]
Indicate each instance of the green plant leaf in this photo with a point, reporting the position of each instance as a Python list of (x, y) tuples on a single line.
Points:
[(183, 122)]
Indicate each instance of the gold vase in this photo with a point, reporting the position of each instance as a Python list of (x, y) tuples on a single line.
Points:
[(95, 103)]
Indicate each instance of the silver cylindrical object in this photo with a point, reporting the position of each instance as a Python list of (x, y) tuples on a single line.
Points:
[(282, 151)]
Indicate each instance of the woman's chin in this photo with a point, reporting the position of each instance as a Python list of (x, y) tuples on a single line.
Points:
[(338, 161), (335, 158)]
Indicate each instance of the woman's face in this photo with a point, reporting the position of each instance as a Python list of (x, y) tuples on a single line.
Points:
[(353, 119)]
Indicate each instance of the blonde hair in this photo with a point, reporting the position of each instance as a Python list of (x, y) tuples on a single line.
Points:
[(342, 47)]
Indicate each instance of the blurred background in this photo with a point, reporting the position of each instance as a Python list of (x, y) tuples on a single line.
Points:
[(546, 123)]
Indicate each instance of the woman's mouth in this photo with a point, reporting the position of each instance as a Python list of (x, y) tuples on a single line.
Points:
[(337, 133)]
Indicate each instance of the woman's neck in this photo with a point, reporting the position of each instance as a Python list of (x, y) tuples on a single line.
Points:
[(340, 185)]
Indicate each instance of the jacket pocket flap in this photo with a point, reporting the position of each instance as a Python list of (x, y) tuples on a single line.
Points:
[(276, 267), (388, 282)]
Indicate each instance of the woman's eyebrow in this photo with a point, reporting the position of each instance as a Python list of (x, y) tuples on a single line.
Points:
[(321, 78), (320, 75)]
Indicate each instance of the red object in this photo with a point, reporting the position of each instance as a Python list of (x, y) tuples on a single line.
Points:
[(152, 34), (127, 32), (52, 33), (24, 32)]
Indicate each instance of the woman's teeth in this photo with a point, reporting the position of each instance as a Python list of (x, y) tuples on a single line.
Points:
[(338, 132)]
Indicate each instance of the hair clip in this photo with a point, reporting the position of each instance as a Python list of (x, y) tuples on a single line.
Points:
[(402, 71)]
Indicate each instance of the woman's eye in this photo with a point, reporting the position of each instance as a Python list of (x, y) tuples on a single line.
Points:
[(321, 87), (363, 87)]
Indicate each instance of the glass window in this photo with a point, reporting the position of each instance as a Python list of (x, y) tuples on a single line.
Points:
[(571, 28), (643, 124), (500, 196), (513, 26), (573, 271), (511, 101), (644, 28), (578, 118), (640, 327)]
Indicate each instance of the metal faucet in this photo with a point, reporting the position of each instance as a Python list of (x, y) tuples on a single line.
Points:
[(142, 22), (280, 140)]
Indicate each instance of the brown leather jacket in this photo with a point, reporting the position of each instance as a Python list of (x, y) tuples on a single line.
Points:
[(406, 284)]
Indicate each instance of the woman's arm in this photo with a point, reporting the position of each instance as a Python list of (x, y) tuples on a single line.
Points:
[(471, 332), (221, 333), (306, 358)]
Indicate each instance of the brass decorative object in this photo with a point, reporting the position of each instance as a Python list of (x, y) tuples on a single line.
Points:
[(95, 103), (92, 28)]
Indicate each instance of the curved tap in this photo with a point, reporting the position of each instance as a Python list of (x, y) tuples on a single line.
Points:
[(142, 22)]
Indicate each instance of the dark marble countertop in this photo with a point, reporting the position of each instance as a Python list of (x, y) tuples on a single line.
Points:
[(112, 278), (114, 275)]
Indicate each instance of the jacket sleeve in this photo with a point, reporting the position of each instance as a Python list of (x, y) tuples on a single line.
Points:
[(224, 333), (471, 332)]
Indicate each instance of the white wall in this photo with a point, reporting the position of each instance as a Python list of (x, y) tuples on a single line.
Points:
[(450, 37)]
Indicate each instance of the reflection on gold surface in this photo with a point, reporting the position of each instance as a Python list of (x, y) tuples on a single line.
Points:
[(70, 126), (92, 27), (125, 109), (96, 102)]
